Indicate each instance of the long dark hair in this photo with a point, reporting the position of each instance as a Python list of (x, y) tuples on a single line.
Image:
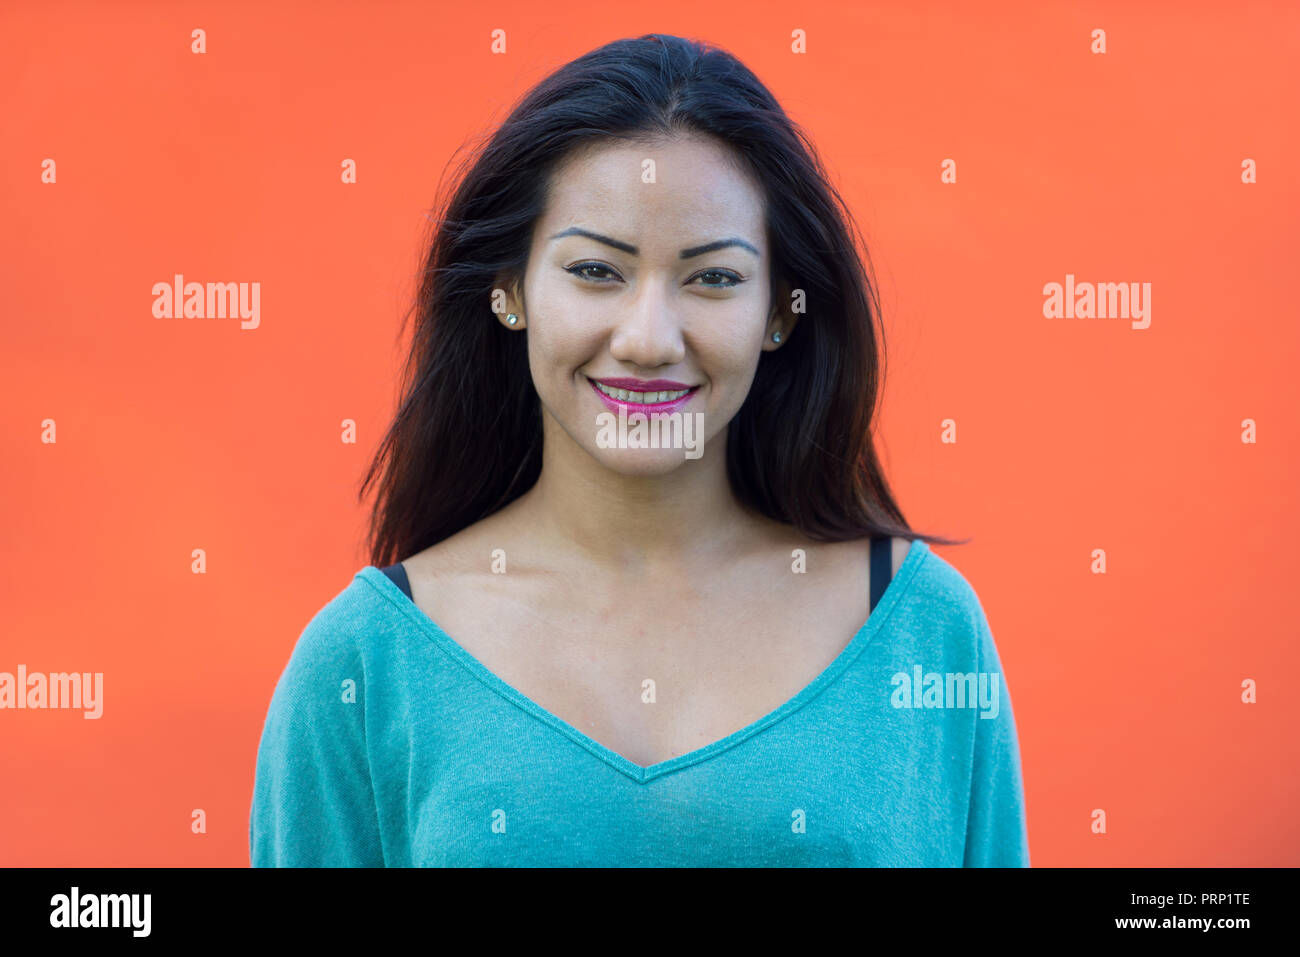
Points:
[(467, 436)]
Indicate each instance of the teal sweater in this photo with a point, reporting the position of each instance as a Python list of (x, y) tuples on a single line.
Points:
[(387, 744)]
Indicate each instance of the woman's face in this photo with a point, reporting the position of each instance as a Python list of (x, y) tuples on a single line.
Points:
[(649, 264)]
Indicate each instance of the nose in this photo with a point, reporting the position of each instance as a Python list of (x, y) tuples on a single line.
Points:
[(648, 332)]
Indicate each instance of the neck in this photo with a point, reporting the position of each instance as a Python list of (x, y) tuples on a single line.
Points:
[(685, 518)]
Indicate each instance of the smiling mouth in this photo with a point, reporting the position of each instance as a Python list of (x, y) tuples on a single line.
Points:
[(642, 398)]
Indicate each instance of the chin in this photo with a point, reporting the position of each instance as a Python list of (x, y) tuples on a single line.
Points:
[(644, 463)]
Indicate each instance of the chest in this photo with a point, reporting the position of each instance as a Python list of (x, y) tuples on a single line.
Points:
[(656, 673)]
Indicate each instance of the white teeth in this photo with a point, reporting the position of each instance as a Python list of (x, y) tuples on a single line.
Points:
[(640, 398)]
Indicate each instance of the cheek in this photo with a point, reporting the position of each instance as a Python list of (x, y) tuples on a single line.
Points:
[(554, 329), (558, 345), (729, 351)]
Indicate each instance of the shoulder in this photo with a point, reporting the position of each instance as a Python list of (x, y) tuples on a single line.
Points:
[(938, 584), (348, 614), (319, 688), (940, 602), (331, 646)]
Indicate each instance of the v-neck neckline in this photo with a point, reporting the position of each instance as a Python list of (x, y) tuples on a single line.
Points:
[(875, 623)]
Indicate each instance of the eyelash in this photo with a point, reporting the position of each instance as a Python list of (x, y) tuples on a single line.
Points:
[(736, 278)]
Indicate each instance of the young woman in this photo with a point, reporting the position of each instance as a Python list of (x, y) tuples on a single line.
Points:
[(578, 648)]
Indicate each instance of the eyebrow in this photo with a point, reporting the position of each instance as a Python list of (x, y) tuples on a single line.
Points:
[(689, 253)]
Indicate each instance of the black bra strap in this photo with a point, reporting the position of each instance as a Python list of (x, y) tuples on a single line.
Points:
[(880, 567), (398, 575)]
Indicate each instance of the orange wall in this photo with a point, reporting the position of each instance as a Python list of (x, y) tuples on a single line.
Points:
[(1072, 434)]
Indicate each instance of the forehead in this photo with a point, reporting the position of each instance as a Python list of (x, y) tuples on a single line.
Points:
[(689, 184)]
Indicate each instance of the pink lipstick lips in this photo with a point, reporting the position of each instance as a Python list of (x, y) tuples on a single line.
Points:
[(642, 395)]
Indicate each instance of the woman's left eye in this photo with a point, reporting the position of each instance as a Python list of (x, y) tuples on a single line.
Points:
[(734, 279)]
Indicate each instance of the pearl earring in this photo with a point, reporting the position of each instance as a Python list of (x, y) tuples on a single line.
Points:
[(511, 319), (776, 337)]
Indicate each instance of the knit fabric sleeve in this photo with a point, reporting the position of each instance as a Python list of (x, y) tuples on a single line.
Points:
[(313, 800), (996, 832)]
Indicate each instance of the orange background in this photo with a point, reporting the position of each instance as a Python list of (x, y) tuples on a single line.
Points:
[(1072, 434)]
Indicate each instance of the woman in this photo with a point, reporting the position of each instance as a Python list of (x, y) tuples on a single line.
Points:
[(726, 648)]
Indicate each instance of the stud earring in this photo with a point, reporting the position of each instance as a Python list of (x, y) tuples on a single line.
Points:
[(776, 337), (511, 319)]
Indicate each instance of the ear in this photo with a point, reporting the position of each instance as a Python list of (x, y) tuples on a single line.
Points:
[(781, 317), (507, 301)]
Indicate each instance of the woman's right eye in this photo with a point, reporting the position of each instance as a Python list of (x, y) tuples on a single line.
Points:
[(580, 270)]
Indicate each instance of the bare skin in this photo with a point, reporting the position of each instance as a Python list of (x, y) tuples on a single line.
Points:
[(725, 644), (630, 564)]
